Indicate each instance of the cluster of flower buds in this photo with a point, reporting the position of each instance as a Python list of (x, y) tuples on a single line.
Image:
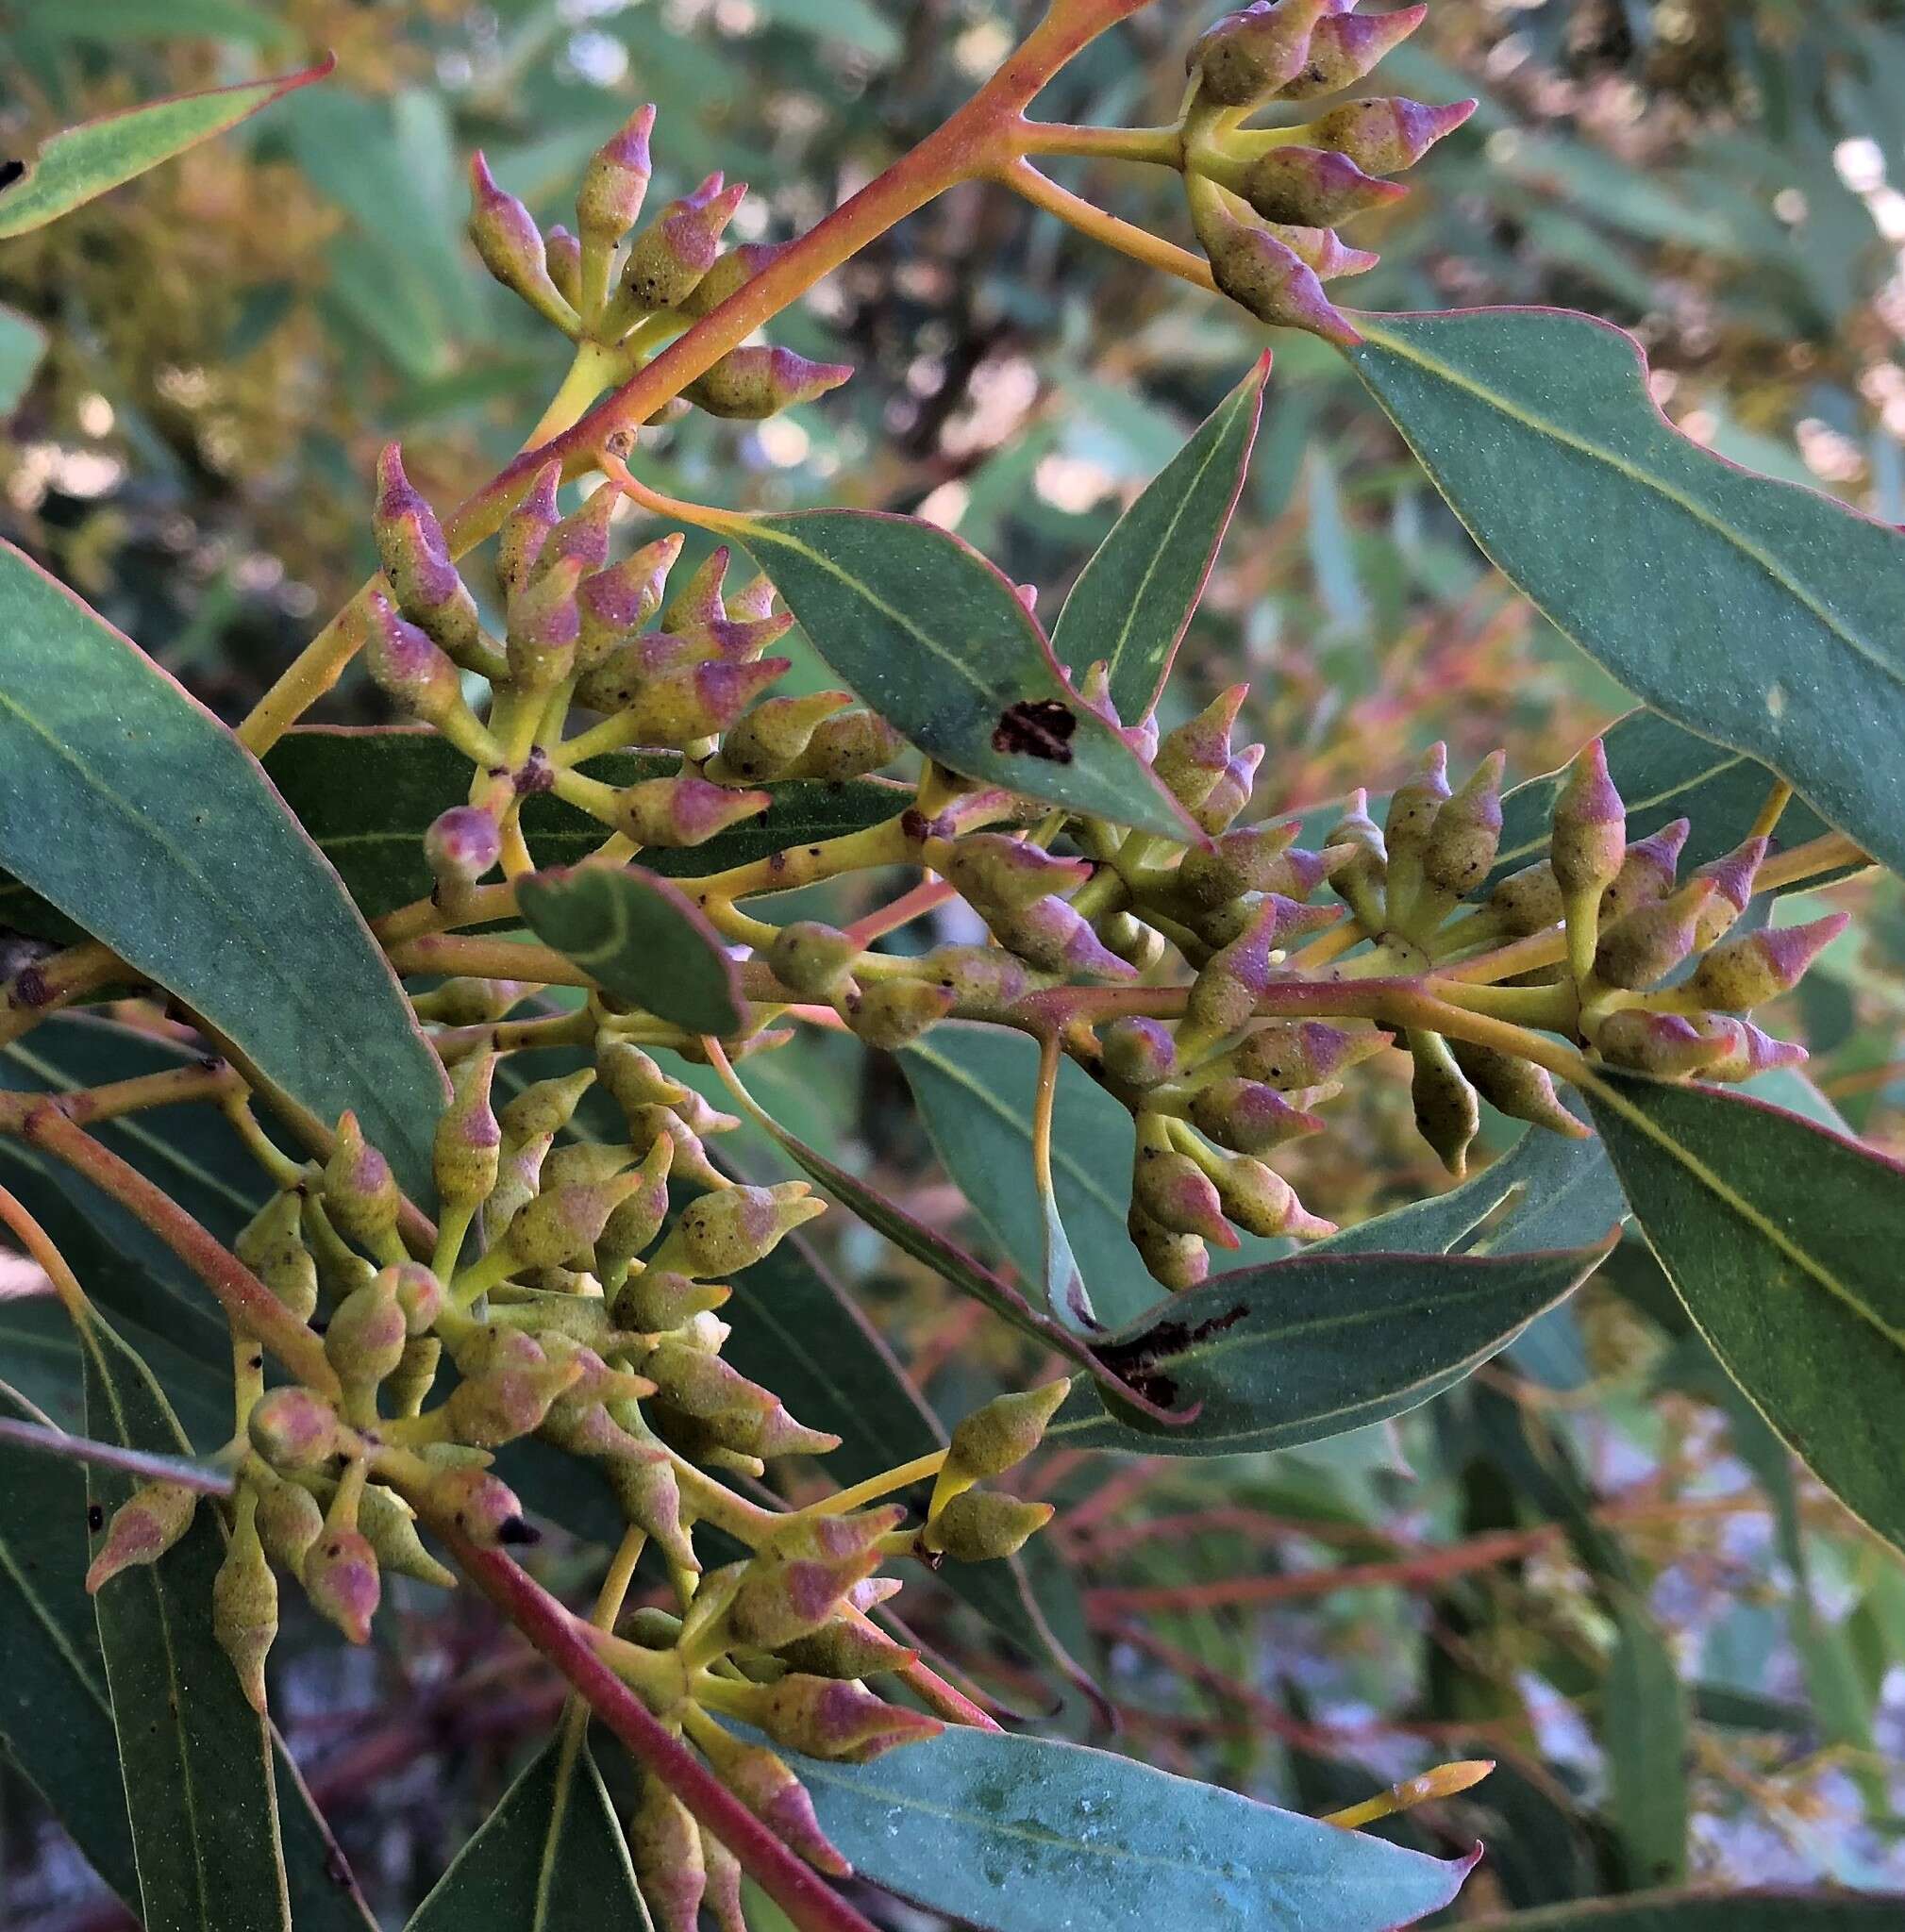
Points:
[(1265, 202), (624, 291)]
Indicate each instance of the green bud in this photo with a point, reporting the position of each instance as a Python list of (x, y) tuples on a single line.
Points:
[(368, 1329), (1529, 901), (994, 870), (1588, 834), (466, 1154), (560, 1226), (846, 1646), (638, 1218), (544, 1107), (784, 1598), (418, 1293), (1647, 944), (615, 183), (751, 383), (649, 1497), (389, 1525), (700, 700), (892, 1013), (408, 1385), (1387, 135), (244, 1605), (722, 1897), (359, 1192), (471, 1002), (1053, 936), (847, 746), (1193, 757), (1173, 1190), (563, 257), (517, 1179), (1462, 845), (813, 959), (1139, 1054), (544, 624), (687, 810), (1745, 972), (142, 1528), (647, 1124), (632, 1078), (653, 1301), (975, 976), (1231, 792), (340, 1578), (1732, 876), (1249, 57), (510, 244), (1176, 1261), (1226, 992), (1367, 864), (1262, 1201), (509, 1395), (293, 1428), (1313, 187), (841, 1721), (1264, 274), (1665, 1044), (980, 1525), (1518, 1088), (1248, 1116), (416, 561), (1126, 937), (665, 1845), (1292, 1054), (582, 537), (765, 1785), (723, 1233), (272, 1247), (768, 741), (289, 1521), (1647, 870), (1345, 47), (1257, 859), (1448, 1114), (732, 272), (674, 252), (1415, 804), (410, 669)]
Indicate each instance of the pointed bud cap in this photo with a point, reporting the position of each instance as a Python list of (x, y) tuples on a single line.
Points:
[(1248, 1116), (1053, 937), (510, 244), (617, 601), (664, 1843), (1249, 57), (1448, 1114), (1262, 1201), (466, 1152), (892, 1013), (676, 814), (406, 666), (615, 182), (1387, 135), (632, 1078), (1647, 871), (1643, 946), (723, 1233), (341, 1579), (545, 1106), (1416, 802), (674, 252), (1346, 47), (1588, 835), (846, 746), (1290, 1055), (1139, 1054), (1313, 187), (980, 1525), (1732, 876), (271, 1245), (1467, 831), (1744, 973), (1267, 277), (525, 529), (751, 383), (142, 1528), (1191, 758), (1518, 1088), (1226, 992), (775, 1796), (845, 1723), (991, 869), (365, 1339), (245, 1612), (1665, 1044), (770, 738)]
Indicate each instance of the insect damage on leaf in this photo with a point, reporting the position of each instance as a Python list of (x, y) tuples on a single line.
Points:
[(1041, 728)]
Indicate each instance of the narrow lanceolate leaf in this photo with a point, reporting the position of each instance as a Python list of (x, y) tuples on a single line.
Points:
[(1783, 1241), (1022, 1835), (191, 869), (81, 162), (1757, 613), (195, 1758), (1664, 773), (1713, 1911), (935, 640), (23, 342), (1645, 1732), (367, 794), (550, 1857), (640, 938), (1134, 600), (1316, 1347)]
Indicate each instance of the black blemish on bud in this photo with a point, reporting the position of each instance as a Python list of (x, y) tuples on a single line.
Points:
[(96, 1518), (1037, 728), (10, 173), (536, 774), (513, 1530)]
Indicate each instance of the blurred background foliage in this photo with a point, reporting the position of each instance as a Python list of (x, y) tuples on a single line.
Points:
[(1525, 1568)]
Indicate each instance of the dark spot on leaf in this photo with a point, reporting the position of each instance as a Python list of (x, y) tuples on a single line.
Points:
[(1136, 1361), (1037, 728), (96, 1518), (10, 173)]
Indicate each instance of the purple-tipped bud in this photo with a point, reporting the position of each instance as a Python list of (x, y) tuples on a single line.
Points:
[(1448, 1114), (367, 1332), (545, 625), (637, 1217), (390, 1525), (1647, 871), (632, 1079), (1248, 1116), (649, 1497), (416, 560), (665, 1843), (1646, 945), (731, 271), (775, 1796), (1173, 1190), (1193, 757), (1053, 937), (978, 975), (1258, 859), (751, 384), (1665, 1044), (462, 845), (1266, 275), (700, 1384), (847, 746), (1290, 1055), (979, 1527), (583, 535), (1747, 972), (655, 1300), (292, 1428), (1745, 1049), (360, 1191), (674, 252), (647, 1124), (1527, 901), (1518, 1088), (142, 1528), (993, 870), (1385, 135), (1589, 832), (1139, 1054), (1262, 1201), (700, 700), (481, 1507), (1732, 876), (845, 1722), (781, 1600), (1346, 47), (684, 811), (341, 1579), (560, 1226), (615, 183), (1251, 57), (510, 244), (725, 1232), (417, 1292), (1226, 991), (1313, 187), (1462, 845), (525, 529), (507, 1390), (407, 667), (467, 1150), (1232, 791), (1415, 804), (1174, 1261), (767, 741), (616, 602), (736, 627)]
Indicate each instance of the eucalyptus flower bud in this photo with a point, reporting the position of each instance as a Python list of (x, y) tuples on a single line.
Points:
[(1414, 806), (673, 253), (416, 560), (508, 1393), (813, 959), (1745, 1049), (1248, 1116), (293, 1428), (977, 976), (723, 1898), (696, 701), (1173, 1190), (1643, 946), (650, 1499), (390, 1525), (1260, 1200), (1292, 1054), (560, 1226), (638, 1218), (1265, 276), (481, 1506), (1257, 859), (751, 383), (775, 1796), (361, 1194), (367, 1332), (142, 1528), (417, 1292), (1345, 47), (1587, 838), (632, 1078), (1647, 871), (544, 624), (1191, 758), (647, 1124), (615, 183), (784, 1599), (732, 270), (845, 746), (723, 1233), (846, 1646), (1665, 1044), (1448, 1114), (892, 1013), (1529, 901), (410, 669), (1518, 1088), (471, 1002), (1249, 57), (510, 244), (1225, 994), (1051, 935), (461, 845), (1230, 793), (656, 1300), (1313, 187), (766, 741), (341, 1579), (518, 1176), (525, 529), (407, 1388), (1174, 1261), (1732, 876), (1139, 1054), (675, 813), (244, 1605), (980, 1525), (1744, 973), (1125, 936), (1462, 845), (466, 1152), (1387, 135), (289, 1521), (271, 1245), (845, 1723), (993, 870), (563, 257), (665, 1845), (615, 602), (582, 537)]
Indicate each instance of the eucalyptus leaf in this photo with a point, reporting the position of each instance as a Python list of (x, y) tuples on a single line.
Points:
[(1713, 1911), (1316, 1347), (1134, 600), (1762, 615), (80, 163), (550, 1857), (22, 343), (1645, 1729), (191, 869), (640, 938), (1015, 1834), (1781, 1241), (936, 641)]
